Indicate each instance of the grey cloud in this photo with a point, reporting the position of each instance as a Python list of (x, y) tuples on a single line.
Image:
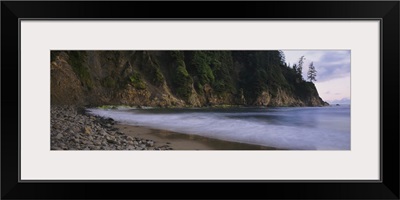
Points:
[(333, 64)]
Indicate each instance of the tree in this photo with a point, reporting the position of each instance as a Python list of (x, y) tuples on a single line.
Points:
[(300, 65), (282, 57), (312, 73), (295, 68)]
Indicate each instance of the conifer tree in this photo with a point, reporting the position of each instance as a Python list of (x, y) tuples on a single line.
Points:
[(312, 73)]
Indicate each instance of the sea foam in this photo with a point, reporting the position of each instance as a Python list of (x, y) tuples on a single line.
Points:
[(326, 128)]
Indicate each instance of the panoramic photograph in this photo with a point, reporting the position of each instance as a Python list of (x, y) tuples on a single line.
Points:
[(200, 100)]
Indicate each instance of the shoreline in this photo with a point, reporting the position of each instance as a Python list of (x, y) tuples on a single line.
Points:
[(181, 141), (72, 128)]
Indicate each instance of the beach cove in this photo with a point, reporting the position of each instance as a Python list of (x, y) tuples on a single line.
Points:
[(74, 128)]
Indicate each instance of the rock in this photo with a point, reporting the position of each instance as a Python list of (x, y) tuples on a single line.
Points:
[(87, 130), (102, 132), (56, 126), (150, 143), (111, 139), (72, 130), (106, 148), (97, 148), (110, 119), (59, 136)]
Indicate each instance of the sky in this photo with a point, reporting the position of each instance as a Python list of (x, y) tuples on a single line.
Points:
[(333, 72)]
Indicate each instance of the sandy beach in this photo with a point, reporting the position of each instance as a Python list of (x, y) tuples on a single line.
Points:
[(179, 141)]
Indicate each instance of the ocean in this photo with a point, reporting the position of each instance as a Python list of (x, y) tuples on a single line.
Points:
[(293, 128)]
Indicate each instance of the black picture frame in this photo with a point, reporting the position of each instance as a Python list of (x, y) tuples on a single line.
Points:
[(386, 11)]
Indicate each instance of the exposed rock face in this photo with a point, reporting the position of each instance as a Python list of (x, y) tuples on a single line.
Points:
[(66, 87), (149, 78)]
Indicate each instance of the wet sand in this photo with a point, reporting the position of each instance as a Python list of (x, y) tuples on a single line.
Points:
[(179, 141)]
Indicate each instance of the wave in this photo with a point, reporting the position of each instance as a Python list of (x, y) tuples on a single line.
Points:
[(325, 128)]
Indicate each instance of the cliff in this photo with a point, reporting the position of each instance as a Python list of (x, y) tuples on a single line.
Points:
[(177, 78)]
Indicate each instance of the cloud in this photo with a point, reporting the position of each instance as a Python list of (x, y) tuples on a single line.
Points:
[(333, 64), (333, 70), (329, 64)]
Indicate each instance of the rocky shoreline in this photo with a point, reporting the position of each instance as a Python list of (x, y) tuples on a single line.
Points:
[(74, 129)]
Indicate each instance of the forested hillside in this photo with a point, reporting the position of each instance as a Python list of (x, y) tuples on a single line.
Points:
[(178, 78)]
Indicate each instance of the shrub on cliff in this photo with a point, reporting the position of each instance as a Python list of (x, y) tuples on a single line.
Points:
[(182, 81)]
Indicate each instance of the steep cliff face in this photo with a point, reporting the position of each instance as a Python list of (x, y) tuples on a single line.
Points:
[(177, 78)]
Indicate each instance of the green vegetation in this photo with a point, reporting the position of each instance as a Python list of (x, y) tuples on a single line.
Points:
[(158, 77), (214, 68), (137, 81), (208, 77), (201, 64), (53, 55), (77, 62), (182, 81), (106, 107), (149, 65), (108, 82)]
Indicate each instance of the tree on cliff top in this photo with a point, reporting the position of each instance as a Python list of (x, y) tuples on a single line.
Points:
[(312, 73), (300, 66)]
